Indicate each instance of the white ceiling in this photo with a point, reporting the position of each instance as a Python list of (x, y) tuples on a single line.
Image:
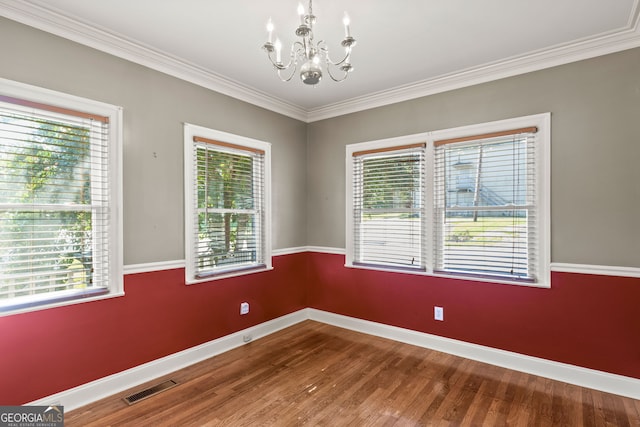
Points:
[(406, 48)]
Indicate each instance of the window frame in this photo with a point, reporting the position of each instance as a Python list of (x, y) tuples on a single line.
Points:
[(37, 98), (192, 132), (542, 196), (380, 156)]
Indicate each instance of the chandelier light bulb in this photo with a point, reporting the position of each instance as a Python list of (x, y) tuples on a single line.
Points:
[(346, 21), (278, 51), (270, 30)]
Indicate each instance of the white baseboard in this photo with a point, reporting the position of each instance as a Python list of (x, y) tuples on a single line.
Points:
[(326, 250), (87, 393), (590, 378)]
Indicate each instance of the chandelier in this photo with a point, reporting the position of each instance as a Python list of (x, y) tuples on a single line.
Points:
[(307, 54)]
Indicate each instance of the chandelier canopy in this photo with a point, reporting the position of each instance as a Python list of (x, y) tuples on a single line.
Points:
[(307, 54)]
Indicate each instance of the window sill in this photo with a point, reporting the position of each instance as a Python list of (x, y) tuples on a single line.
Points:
[(61, 299), (545, 284), (229, 274)]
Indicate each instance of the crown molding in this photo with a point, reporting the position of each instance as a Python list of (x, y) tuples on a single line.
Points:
[(60, 25), (55, 23), (626, 38)]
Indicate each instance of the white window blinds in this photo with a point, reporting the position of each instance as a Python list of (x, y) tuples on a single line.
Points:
[(471, 202), (389, 207), (485, 205), (54, 202), (229, 208)]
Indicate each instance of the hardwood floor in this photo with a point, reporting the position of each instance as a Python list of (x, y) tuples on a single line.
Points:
[(319, 375)]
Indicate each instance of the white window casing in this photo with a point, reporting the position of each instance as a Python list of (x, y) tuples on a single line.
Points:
[(487, 193), (60, 199), (227, 204)]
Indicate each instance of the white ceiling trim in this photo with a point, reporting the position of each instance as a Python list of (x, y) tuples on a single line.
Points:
[(47, 20), (626, 38), (60, 25)]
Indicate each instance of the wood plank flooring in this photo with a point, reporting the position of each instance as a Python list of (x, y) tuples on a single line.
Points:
[(314, 374)]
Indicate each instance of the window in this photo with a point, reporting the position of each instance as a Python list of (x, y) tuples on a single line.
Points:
[(485, 205), (227, 189), (388, 206), (477, 208), (59, 194)]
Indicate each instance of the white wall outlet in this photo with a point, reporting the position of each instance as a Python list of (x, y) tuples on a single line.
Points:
[(438, 313), (244, 308)]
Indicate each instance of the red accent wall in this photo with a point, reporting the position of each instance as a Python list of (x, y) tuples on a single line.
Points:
[(583, 320), (48, 351), (586, 320)]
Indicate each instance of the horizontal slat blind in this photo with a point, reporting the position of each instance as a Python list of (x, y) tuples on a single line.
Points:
[(229, 208), (485, 206), (388, 207), (54, 207)]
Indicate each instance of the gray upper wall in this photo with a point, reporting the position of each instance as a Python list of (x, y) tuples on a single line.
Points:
[(595, 179), (155, 108), (595, 151)]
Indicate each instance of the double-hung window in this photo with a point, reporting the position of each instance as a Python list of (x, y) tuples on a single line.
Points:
[(60, 238), (485, 205), (388, 209), (471, 202), (227, 204)]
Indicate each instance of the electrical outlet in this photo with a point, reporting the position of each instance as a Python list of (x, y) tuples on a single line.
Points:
[(438, 313), (244, 308)]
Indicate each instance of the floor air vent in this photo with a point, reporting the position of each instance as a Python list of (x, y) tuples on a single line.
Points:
[(151, 391)]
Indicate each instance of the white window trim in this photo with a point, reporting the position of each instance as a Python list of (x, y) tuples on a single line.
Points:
[(115, 237), (191, 130), (543, 193)]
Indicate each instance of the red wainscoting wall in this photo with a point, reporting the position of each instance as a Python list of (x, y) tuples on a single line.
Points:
[(48, 351), (585, 320)]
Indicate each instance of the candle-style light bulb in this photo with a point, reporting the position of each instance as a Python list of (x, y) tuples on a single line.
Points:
[(346, 21), (301, 12), (278, 50), (270, 30)]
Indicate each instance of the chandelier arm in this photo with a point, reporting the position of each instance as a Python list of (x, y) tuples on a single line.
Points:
[(296, 49), (277, 65), (322, 46), (334, 78), (286, 79)]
